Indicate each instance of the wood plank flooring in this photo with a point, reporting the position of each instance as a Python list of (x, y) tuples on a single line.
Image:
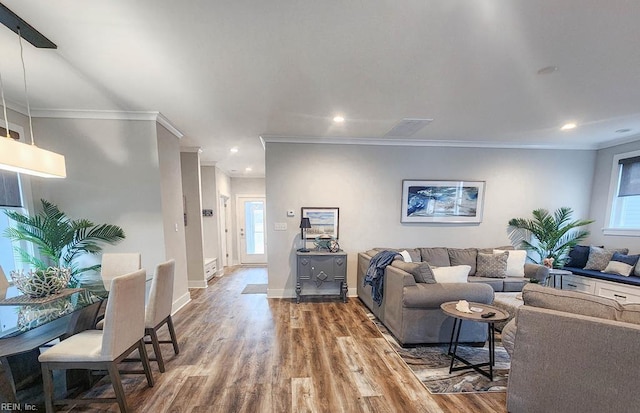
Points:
[(247, 353)]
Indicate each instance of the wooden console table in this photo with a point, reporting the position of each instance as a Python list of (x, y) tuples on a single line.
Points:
[(321, 267)]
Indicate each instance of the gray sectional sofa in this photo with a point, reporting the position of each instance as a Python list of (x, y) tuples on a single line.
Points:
[(411, 310), (572, 352)]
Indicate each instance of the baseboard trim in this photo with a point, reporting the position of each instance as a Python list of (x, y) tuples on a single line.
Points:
[(181, 302), (197, 284)]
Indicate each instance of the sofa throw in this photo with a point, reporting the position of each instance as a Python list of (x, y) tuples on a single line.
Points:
[(375, 273)]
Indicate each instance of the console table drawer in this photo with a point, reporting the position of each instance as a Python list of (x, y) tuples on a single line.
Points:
[(578, 284), (622, 294), (319, 269)]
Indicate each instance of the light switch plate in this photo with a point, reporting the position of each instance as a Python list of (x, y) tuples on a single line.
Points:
[(280, 226)]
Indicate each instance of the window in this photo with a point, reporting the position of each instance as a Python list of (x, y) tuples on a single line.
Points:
[(624, 200)]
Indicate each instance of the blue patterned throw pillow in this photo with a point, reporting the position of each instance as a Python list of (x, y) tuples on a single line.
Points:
[(621, 264)]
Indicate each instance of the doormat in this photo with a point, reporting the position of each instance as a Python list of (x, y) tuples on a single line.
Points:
[(431, 363), (255, 289)]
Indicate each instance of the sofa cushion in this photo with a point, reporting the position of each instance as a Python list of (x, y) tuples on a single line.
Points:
[(630, 313), (492, 265), (600, 257), (432, 295), (438, 257), (513, 284), (621, 264), (515, 262), (496, 283), (464, 256), (413, 252), (571, 302), (421, 271), (454, 274), (406, 256), (631, 280), (490, 250)]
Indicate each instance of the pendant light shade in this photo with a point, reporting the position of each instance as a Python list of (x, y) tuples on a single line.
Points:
[(17, 156), (31, 160)]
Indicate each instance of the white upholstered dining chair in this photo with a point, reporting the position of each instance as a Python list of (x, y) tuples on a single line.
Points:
[(158, 310), (102, 349), (116, 264)]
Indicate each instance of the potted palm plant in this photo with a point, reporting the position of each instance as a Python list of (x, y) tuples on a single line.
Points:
[(59, 239), (550, 236)]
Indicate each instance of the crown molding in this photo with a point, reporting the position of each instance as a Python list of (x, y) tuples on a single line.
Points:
[(416, 142), (191, 149), (99, 114), (208, 163), (620, 141)]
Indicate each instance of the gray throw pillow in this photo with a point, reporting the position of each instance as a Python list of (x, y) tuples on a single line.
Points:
[(492, 265), (600, 257), (438, 256), (421, 271)]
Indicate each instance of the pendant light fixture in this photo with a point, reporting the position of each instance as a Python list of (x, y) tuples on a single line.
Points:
[(17, 156)]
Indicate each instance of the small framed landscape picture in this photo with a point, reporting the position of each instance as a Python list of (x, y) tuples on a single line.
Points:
[(442, 201), (324, 221)]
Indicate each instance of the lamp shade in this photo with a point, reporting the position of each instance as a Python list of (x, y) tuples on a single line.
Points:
[(29, 159), (305, 223)]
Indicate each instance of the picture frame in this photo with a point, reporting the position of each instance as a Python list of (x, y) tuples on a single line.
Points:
[(442, 201), (323, 220)]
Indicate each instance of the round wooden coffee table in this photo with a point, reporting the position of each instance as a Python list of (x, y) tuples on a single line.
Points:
[(449, 308)]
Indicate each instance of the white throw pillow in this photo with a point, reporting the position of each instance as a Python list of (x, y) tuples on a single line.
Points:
[(454, 274), (406, 256), (515, 262)]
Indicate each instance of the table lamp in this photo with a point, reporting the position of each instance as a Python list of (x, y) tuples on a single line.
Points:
[(304, 225)]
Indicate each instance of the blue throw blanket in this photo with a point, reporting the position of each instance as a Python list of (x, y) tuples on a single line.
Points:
[(375, 273)]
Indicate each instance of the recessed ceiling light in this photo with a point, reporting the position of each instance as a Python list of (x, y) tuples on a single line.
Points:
[(248, 169), (625, 130), (568, 126), (547, 70), (338, 119), (234, 149)]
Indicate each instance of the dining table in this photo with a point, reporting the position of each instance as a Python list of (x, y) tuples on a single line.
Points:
[(29, 324)]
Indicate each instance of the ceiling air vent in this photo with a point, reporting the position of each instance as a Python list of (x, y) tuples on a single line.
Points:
[(407, 127)]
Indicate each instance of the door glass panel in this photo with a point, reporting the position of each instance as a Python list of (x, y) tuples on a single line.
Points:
[(254, 221)]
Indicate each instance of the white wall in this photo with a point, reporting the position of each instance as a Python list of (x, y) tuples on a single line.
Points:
[(600, 198), (191, 187), (171, 193), (223, 189), (210, 224), (114, 176), (365, 182)]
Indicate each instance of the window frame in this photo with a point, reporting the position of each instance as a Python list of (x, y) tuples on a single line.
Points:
[(614, 184)]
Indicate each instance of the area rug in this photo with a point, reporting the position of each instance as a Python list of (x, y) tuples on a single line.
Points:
[(430, 364), (255, 289)]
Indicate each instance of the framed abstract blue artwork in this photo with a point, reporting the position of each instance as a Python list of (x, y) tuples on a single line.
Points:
[(442, 201)]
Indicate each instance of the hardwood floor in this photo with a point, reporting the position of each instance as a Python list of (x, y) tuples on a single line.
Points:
[(246, 353)]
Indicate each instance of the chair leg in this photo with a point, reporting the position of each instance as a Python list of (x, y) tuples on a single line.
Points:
[(156, 348), (172, 332), (47, 381), (117, 386), (144, 357)]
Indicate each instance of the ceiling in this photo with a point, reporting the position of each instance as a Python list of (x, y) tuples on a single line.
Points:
[(227, 72)]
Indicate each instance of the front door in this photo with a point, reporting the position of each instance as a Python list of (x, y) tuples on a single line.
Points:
[(251, 219)]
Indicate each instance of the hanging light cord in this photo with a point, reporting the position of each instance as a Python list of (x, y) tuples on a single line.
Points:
[(26, 93), (4, 107)]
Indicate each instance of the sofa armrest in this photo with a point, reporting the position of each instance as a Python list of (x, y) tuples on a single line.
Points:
[(564, 362), (432, 295), (537, 271)]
